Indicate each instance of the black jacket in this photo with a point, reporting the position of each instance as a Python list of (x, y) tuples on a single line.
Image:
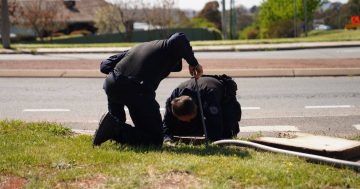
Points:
[(150, 62), (211, 92)]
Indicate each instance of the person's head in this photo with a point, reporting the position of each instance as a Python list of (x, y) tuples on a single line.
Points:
[(184, 108)]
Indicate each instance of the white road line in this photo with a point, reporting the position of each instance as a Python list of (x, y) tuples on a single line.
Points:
[(161, 109), (357, 127), (243, 108), (250, 108), (329, 106), (46, 110), (268, 128), (290, 116)]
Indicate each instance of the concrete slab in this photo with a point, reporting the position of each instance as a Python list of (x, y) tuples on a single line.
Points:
[(319, 145)]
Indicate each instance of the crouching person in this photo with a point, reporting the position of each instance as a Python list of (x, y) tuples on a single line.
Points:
[(222, 111), (132, 79)]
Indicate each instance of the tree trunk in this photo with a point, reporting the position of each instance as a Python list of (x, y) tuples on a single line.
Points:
[(5, 24), (129, 28)]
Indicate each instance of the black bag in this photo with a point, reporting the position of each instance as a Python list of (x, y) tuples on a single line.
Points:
[(230, 86)]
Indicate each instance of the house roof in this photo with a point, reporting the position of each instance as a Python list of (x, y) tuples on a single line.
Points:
[(83, 11)]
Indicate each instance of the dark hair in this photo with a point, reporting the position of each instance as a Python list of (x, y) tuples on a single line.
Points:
[(183, 105)]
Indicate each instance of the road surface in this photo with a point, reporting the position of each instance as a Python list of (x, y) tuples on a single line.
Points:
[(325, 105)]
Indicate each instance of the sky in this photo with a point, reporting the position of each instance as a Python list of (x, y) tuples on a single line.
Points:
[(199, 4)]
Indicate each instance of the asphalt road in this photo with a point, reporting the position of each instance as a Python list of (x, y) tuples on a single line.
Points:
[(325, 105), (328, 53)]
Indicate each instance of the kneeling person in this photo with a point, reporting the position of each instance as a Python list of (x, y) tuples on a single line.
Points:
[(222, 111)]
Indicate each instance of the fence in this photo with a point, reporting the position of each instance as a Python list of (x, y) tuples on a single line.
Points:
[(193, 34)]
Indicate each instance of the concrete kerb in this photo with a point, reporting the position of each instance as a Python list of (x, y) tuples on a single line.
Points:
[(231, 72)]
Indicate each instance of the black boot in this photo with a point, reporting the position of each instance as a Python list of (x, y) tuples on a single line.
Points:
[(106, 129)]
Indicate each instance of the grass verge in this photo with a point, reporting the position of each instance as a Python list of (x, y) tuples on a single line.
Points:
[(314, 36), (45, 155)]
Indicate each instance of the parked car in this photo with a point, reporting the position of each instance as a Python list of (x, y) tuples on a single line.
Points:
[(322, 27)]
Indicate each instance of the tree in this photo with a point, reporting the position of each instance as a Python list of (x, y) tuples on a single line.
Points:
[(5, 24), (42, 16), (337, 15), (108, 20), (211, 13), (127, 10), (182, 20), (122, 14), (278, 13), (354, 7), (161, 13), (254, 9), (244, 17), (333, 16), (118, 17)]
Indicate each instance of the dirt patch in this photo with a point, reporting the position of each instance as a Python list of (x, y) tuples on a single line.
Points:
[(174, 179), (12, 182), (50, 64), (89, 183)]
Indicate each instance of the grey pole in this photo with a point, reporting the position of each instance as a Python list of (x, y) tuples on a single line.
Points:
[(201, 112), (5, 24), (305, 18), (231, 20), (295, 18), (233, 13), (224, 23)]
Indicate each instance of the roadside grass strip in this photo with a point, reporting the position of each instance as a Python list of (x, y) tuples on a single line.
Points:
[(83, 42), (47, 155)]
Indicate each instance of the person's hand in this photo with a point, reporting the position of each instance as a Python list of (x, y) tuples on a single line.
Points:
[(196, 71)]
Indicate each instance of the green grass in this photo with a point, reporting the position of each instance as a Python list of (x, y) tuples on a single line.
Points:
[(48, 155), (314, 36)]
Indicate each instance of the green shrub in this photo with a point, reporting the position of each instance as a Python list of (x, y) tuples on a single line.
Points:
[(216, 32), (281, 29), (250, 32), (201, 23)]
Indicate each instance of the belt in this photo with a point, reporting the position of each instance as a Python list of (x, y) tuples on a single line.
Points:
[(118, 75), (136, 80)]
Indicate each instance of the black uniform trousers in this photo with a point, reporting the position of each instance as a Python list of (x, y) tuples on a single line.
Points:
[(231, 117), (144, 111)]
